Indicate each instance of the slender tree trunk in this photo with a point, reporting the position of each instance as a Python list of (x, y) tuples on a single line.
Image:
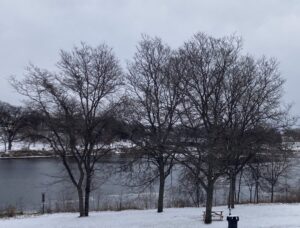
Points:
[(256, 192), (197, 194), (239, 190), (233, 190), (272, 193), (160, 204), (209, 202), (286, 189)]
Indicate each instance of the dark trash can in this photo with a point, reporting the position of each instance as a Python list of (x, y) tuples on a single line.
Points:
[(232, 221)]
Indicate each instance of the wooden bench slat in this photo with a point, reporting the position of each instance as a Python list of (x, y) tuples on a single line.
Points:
[(216, 215)]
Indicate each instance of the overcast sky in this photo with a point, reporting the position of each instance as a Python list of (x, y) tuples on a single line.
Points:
[(35, 30)]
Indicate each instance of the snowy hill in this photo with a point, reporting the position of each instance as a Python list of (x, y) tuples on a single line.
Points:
[(251, 216)]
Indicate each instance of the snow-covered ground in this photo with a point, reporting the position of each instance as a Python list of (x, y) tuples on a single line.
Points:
[(45, 147), (251, 216), (26, 146)]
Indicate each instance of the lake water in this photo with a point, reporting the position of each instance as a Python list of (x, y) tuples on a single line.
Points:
[(22, 182)]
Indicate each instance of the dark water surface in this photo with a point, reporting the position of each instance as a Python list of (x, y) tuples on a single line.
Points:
[(22, 181)]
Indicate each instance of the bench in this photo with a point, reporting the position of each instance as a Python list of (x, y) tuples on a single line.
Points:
[(215, 215)]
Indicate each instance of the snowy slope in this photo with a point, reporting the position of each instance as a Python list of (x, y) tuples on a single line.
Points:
[(251, 216)]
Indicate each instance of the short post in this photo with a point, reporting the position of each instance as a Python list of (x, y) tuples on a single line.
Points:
[(43, 203), (232, 221)]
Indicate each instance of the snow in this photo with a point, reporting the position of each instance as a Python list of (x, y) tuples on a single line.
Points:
[(251, 216), (39, 146), (27, 146)]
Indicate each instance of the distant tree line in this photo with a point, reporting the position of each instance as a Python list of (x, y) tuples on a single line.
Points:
[(205, 105)]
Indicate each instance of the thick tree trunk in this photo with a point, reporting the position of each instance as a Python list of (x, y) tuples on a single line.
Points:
[(87, 197), (209, 202), (160, 204), (9, 145), (5, 146), (80, 202), (232, 190)]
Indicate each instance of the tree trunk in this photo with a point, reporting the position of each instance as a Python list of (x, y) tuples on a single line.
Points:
[(160, 204), (9, 145), (87, 197), (209, 202), (80, 202), (197, 194), (256, 192), (232, 190), (5, 146), (239, 190), (272, 193)]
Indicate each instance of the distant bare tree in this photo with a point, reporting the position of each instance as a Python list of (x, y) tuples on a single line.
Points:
[(154, 91), (277, 162), (33, 127), (75, 103), (249, 181), (12, 122), (191, 185), (270, 163)]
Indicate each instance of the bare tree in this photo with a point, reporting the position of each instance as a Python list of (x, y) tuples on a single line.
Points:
[(249, 181), (277, 162), (207, 61), (254, 102), (154, 91), (190, 180), (75, 103), (229, 100), (12, 121)]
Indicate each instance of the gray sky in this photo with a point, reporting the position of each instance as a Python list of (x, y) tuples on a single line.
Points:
[(35, 30)]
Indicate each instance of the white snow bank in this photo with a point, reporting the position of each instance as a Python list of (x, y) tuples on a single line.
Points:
[(251, 216), (26, 146)]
